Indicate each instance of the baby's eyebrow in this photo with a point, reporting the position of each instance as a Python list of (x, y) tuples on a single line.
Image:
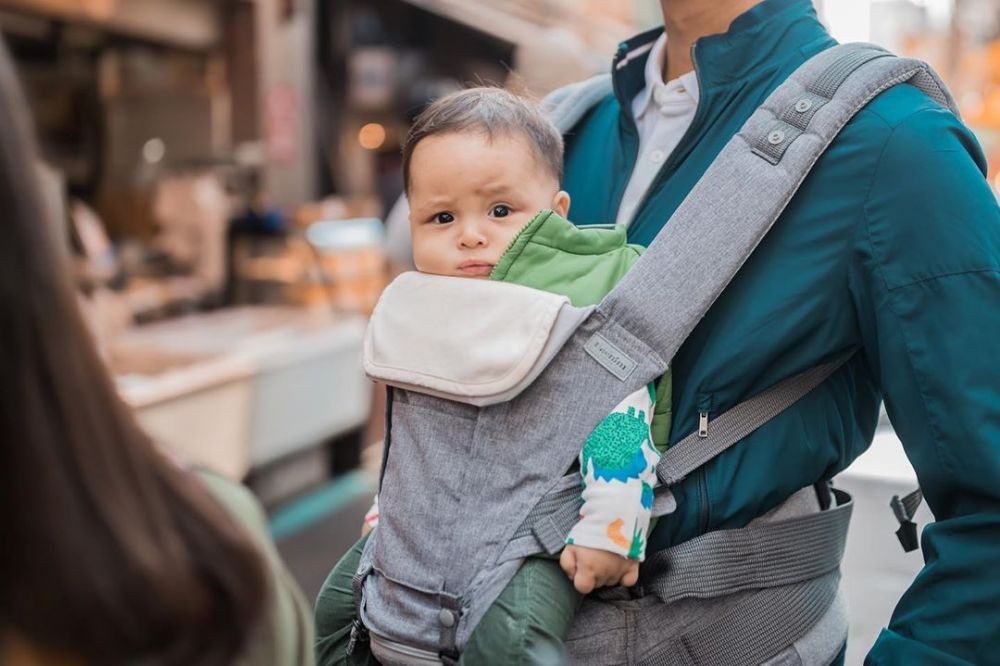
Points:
[(499, 188), (435, 203)]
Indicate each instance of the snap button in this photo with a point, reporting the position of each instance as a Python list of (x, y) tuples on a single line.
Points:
[(447, 618), (803, 105), (657, 156), (775, 137)]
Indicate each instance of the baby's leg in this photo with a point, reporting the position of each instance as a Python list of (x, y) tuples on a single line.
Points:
[(529, 620), (335, 614)]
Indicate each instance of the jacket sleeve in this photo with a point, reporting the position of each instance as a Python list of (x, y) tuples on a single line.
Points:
[(925, 279)]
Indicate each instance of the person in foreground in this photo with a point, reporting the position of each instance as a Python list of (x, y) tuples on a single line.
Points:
[(111, 553), (482, 169)]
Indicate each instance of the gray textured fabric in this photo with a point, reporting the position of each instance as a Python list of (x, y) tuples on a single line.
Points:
[(796, 118), (476, 474), (759, 556), (820, 645), (566, 106)]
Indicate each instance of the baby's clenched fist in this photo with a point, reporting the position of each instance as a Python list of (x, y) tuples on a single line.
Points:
[(590, 568)]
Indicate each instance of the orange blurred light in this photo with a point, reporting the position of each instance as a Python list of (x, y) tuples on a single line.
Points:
[(371, 136), (100, 9)]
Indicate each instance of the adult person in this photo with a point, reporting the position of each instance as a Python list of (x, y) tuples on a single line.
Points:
[(891, 245), (112, 554)]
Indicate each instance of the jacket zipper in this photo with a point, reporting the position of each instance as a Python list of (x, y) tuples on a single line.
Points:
[(703, 424), (704, 406), (674, 156)]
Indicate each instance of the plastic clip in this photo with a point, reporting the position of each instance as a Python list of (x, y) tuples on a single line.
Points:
[(904, 508), (359, 634)]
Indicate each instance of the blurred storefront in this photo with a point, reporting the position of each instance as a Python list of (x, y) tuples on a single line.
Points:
[(222, 167), (179, 159)]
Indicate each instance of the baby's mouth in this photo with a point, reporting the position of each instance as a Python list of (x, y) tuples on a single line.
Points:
[(475, 268)]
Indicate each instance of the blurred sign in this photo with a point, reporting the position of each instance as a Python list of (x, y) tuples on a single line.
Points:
[(373, 77), (189, 23), (282, 107), (98, 9)]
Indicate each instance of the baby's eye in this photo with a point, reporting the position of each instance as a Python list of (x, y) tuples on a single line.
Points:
[(500, 210), (444, 218)]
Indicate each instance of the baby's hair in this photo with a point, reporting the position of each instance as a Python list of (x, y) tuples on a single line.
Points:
[(493, 112)]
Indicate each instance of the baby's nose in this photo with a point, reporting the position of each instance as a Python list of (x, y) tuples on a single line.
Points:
[(473, 238)]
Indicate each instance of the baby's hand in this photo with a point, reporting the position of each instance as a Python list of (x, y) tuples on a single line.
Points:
[(590, 568)]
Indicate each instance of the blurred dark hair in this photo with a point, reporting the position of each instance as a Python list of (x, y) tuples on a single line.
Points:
[(493, 112), (109, 553)]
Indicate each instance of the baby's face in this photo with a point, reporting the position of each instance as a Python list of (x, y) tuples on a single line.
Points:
[(469, 197)]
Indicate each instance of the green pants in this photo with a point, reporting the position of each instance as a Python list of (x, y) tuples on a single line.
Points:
[(525, 625)]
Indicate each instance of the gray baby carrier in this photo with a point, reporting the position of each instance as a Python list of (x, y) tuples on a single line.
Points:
[(471, 485)]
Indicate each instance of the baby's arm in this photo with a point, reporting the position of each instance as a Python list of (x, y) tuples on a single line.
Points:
[(618, 466)]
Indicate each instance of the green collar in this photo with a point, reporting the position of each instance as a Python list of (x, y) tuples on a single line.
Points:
[(549, 230)]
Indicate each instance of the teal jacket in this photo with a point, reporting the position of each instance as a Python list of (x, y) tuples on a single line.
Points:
[(891, 245)]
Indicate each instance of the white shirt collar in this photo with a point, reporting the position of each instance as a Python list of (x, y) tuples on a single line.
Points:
[(656, 89)]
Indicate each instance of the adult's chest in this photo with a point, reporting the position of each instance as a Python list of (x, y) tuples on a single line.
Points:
[(790, 306)]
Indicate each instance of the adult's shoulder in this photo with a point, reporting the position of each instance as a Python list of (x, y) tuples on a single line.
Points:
[(912, 124), (929, 210)]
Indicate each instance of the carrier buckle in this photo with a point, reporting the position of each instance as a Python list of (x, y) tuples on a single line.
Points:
[(359, 634), (904, 508)]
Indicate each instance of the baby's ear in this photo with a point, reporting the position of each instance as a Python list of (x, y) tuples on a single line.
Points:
[(560, 203)]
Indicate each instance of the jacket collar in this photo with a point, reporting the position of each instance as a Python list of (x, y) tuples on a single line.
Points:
[(655, 86), (757, 41)]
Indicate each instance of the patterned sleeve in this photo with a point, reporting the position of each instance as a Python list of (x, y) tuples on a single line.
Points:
[(618, 465)]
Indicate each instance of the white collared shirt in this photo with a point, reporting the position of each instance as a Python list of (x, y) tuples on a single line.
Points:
[(663, 112)]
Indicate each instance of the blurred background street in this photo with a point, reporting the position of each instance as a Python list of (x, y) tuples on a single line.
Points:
[(226, 171)]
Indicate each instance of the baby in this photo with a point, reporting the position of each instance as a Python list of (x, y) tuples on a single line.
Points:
[(482, 168)]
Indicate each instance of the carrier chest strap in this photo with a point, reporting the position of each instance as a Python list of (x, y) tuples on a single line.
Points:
[(712, 439)]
